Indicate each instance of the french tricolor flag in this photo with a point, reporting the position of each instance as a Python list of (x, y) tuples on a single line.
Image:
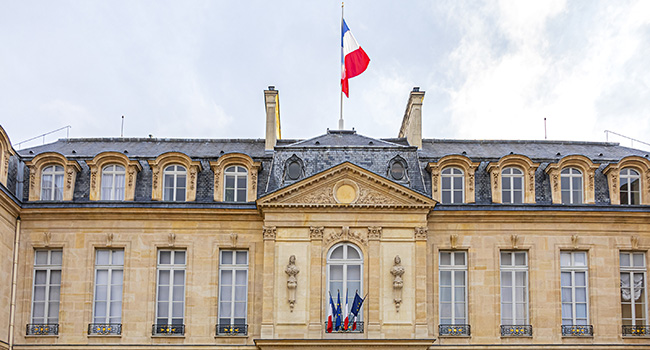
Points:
[(353, 59)]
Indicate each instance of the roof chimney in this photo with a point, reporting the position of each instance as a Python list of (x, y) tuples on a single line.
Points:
[(412, 122), (272, 105)]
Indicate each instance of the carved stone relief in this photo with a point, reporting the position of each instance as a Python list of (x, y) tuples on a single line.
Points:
[(316, 233), (269, 232), (420, 233), (346, 234), (292, 282), (398, 283), (374, 233)]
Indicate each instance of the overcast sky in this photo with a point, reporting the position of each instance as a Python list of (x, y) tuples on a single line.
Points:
[(198, 69)]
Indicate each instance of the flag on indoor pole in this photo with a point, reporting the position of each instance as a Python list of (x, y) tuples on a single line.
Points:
[(330, 314), (337, 318), (353, 59), (347, 315)]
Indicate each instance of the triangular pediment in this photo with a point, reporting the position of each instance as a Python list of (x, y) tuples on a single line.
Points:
[(346, 185)]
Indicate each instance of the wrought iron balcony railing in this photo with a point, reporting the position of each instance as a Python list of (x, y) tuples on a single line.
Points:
[(105, 329), (454, 330), (578, 331), (168, 329), (232, 329), (525, 330), (635, 331), (351, 328), (43, 329)]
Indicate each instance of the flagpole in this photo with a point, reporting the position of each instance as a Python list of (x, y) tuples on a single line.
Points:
[(341, 92)]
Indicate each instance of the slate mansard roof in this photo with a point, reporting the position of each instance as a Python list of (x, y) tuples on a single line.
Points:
[(325, 151)]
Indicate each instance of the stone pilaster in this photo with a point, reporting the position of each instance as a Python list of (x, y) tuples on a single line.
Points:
[(268, 328), (316, 281), (374, 284), (421, 327)]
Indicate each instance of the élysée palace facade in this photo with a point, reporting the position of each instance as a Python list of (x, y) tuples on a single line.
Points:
[(124, 243)]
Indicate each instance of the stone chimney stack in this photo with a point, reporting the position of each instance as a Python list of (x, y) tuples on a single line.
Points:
[(412, 122), (272, 105)]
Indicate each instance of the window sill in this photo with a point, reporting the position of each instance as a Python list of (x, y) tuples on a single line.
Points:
[(454, 336), (165, 336), (520, 336), (226, 336), (104, 335), (42, 336), (577, 336)]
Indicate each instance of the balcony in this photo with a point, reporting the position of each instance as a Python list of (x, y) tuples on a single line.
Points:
[(232, 329), (105, 329), (517, 330), (168, 329), (578, 331), (635, 331), (454, 330), (358, 329), (43, 329)]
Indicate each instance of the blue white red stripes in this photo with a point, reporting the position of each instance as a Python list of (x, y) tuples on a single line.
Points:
[(353, 59)]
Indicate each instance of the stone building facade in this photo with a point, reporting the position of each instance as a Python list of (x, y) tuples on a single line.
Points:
[(124, 243)]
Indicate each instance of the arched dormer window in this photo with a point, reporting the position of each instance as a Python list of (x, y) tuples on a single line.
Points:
[(112, 176), (52, 183), (174, 177), (571, 186), (113, 182), (293, 169), (174, 183), (56, 173), (240, 168), (629, 181), (345, 274), (397, 170), (572, 180), (630, 187), (462, 164), (453, 185), (236, 179), (517, 183)]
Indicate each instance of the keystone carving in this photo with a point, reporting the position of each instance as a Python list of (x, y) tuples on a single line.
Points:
[(269, 232), (316, 233), (374, 233), (346, 234), (47, 237), (397, 271), (171, 239), (453, 241), (421, 233), (109, 239), (635, 242), (233, 239), (574, 241), (514, 239), (292, 282)]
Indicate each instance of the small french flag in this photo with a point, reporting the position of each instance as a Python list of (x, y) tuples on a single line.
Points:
[(354, 60)]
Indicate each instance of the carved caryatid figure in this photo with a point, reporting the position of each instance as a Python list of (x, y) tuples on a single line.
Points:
[(397, 271), (292, 282)]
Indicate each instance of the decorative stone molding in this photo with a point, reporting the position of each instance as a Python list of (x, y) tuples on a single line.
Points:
[(219, 166), (97, 164), (47, 238), (322, 195), (171, 239), (269, 232), (613, 171), (6, 151), (574, 241), (634, 240), (420, 233), (514, 240), (164, 160), (109, 239), (465, 164), (233, 239), (453, 241), (345, 234), (347, 191), (517, 161), (582, 163), (292, 282), (374, 233), (397, 271), (43, 160), (316, 233)]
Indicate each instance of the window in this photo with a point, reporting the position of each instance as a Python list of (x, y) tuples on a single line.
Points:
[(514, 288), (113, 182), (575, 310), (633, 296), (453, 291), (174, 183), (233, 292), (630, 186), (107, 305), (453, 189), (170, 299), (344, 276), (235, 189), (47, 292), (52, 183), (571, 186), (512, 186)]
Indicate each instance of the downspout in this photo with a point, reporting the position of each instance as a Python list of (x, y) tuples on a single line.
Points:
[(14, 277)]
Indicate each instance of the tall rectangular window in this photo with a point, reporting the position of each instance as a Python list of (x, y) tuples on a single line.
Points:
[(233, 291), (107, 305), (633, 295), (453, 290), (574, 278), (47, 292), (514, 293), (170, 298)]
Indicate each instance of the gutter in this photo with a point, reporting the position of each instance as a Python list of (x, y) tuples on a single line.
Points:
[(14, 277)]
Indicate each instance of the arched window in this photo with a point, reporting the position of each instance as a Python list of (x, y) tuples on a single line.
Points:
[(236, 179), (571, 186), (344, 274), (52, 183), (512, 186), (175, 178), (113, 182), (630, 186), (453, 188)]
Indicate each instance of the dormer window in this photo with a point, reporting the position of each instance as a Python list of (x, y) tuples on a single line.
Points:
[(571, 186), (52, 183), (175, 177), (630, 186), (236, 179), (113, 182), (397, 169), (293, 168)]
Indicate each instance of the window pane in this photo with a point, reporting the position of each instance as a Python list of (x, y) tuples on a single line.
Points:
[(179, 257), (165, 257), (638, 260), (226, 257), (226, 277), (103, 257), (458, 197), (520, 259), (580, 258), (242, 258), (336, 272), (445, 258), (55, 277), (445, 294), (459, 258), (118, 257), (240, 277), (625, 259), (163, 277), (56, 257)]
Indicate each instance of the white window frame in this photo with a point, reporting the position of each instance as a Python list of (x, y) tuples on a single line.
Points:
[(172, 267), (175, 171), (633, 270), (572, 173), (509, 266), (508, 176), (573, 269), (111, 268), (629, 175), (346, 263), (235, 268), (451, 173), (49, 267), (452, 268), (56, 173), (236, 172), (113, 192)]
